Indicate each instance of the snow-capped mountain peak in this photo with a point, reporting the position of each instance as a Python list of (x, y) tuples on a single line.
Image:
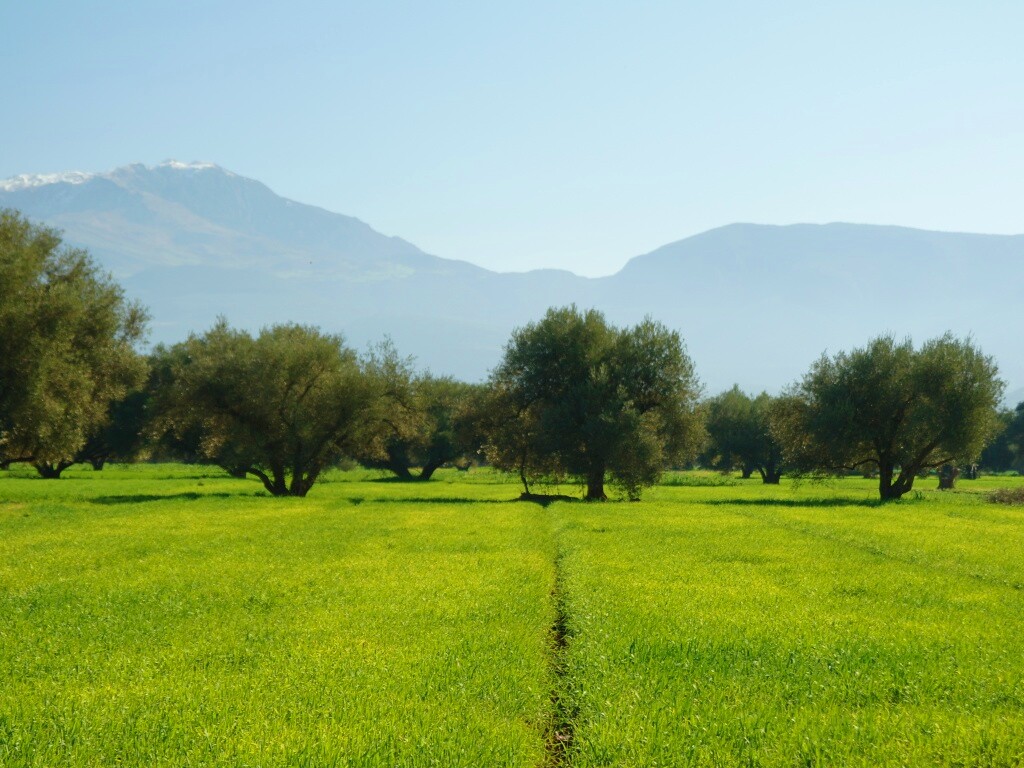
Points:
[(28, 180), (193, 166)]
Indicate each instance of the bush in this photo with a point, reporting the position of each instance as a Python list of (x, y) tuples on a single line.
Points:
[(1007, 496)]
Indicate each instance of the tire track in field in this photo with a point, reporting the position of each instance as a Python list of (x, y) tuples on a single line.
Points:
[(810, 531), (560, 733)]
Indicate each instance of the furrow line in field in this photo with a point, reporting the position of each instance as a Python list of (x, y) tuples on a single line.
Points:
[(560, 734), (872, 549)]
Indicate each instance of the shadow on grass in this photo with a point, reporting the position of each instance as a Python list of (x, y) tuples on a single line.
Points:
[(429, 500), (542, 500), (793, 502), (436, 479), (546, 499), (142, 498)]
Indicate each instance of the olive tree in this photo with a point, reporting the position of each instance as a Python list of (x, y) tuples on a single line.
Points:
[(67, 349), (578, 398), (506, 427), (121, 437), (424, 428), (1006, 451), (282, 406), (739, 435), (892, 407)]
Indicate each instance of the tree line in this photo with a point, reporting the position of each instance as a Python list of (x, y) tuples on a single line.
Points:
[(573, 400)]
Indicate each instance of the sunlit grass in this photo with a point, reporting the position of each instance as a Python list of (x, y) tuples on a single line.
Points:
[(756, 626), (149, 618), (171, 615)]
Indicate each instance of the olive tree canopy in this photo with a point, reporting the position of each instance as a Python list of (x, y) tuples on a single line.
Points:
[(67, 347), (282, 406), (890, 406), (576, 397), (739, 435), (425, 420), (1006, 451)]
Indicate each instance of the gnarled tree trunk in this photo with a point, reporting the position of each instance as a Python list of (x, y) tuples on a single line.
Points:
[(522, 475), (595, 485), (948, 474), (890, 489), (401, 470), (51, 470), (274, 482), (429, 469)]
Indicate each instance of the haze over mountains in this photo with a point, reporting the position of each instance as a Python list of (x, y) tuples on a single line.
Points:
[(756, 304)]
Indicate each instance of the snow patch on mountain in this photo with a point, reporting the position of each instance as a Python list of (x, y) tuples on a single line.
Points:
[(29, 180), (180, 166)]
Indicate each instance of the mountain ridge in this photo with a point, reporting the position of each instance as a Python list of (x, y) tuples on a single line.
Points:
[(756, 303), (231, 215)]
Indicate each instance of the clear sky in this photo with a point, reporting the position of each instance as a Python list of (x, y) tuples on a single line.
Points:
[(529, 134)]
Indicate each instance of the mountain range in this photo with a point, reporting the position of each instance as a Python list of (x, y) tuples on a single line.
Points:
[(756, 304)]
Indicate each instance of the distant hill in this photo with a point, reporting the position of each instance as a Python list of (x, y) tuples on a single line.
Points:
[(198, 214), (779, 296), (756, 304)]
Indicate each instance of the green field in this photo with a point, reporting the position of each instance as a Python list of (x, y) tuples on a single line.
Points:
[(169, 615)]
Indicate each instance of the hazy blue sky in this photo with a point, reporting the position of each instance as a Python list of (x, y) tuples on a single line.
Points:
[(527, 134)]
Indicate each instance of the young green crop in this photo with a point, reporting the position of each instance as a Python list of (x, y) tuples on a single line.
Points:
[(147, 620), (748, 626), (170, 615)]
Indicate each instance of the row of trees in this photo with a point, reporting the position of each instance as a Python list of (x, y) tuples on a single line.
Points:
[(886, 410), (282, 406), (574, 399), (291, 402)]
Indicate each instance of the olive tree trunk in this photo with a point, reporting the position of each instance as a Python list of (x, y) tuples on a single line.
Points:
[(595, 485), (890, 489), (51, 470)]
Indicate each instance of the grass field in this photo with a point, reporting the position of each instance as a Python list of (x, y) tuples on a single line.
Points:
[(168, 615)]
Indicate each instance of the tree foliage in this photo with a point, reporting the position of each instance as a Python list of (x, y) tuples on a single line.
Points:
[(1006, 451), (122, 435), (67, 350), (577, 398), (424, 418), (892, 407), (283, 405), (739, 435)]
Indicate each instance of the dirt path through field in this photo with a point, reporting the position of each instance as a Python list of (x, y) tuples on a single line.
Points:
[(560, 734)]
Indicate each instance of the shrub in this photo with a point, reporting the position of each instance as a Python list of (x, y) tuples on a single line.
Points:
[(1007, 496)]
